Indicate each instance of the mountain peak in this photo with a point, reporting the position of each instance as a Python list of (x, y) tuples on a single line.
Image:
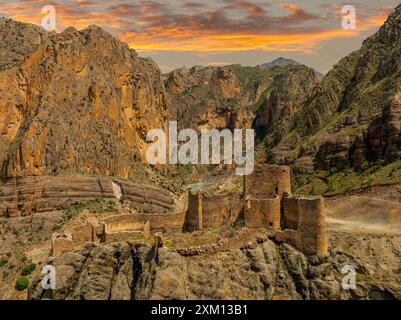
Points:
[(282, 62), (279, 62)]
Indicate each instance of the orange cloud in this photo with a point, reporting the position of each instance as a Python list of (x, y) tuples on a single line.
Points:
[(154, 26), (178, 40)]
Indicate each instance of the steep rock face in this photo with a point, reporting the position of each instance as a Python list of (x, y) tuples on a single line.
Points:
[(353, 114), (231, 96), (18, 41), (77, 101), (183, 79), (206, 97), (384, 137), (223, 82), (288, 94), (261, 270)]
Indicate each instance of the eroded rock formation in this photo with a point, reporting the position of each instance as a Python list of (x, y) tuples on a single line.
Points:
[(25, 196), (353, 115), (261, 269), (77, 101)]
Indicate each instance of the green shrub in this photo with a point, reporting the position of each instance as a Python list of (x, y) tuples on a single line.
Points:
[(22, 283), (3, 262), (28, 269)]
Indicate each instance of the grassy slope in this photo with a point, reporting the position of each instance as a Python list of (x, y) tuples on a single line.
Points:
[(331, 183)]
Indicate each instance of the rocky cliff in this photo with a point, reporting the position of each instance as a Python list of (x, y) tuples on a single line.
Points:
[(206, 97), (262, 269), (82, 101), (78, 101), (353, 115), (233, 96)]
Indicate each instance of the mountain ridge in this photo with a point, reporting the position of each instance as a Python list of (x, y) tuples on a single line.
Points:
[(281, 62)]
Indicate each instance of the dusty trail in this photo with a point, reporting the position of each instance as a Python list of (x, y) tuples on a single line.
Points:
[(372, 211)]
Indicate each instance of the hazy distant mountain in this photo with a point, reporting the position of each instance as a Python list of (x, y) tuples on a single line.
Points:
[(282, 62)]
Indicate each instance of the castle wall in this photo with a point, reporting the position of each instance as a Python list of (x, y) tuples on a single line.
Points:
[(146, 230), (235, 205), (290, 218), (215, 211), (219, 210), (123, 236), (164, 222), (115, 229), (262, 213), (212, 211), (62, 243), (83, 233), (98, 232), (123, 224), (267, 181), (304, 224), (312, 226), (158, 222), (194, 215), (288, 236)]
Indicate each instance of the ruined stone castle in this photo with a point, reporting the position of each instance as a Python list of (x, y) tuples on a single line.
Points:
[(265, 202)]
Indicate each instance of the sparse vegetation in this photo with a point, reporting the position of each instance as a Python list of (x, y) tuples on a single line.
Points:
[(3, 262), (333, 182), (22, 257), (28, 269), (22, 283), (97, 205)]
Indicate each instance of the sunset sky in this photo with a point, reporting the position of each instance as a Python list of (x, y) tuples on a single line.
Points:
[(250, 32)]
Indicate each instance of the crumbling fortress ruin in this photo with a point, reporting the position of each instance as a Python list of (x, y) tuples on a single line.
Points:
[(265, 202)]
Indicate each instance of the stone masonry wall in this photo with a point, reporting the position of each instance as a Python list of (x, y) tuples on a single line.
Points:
[(267, 181), (262, 213), (158, 222), (194, 217), (219, 210), (290, 217), (304, 225), (212, 211), (312, 226)]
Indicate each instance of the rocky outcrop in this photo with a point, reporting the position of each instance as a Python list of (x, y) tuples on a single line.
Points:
[(77, 101), (259, 270), (380, 140), (383, 139), (229, 97), (183, 79), (206, 97), (25, 196), (224, 83), (289, 92)]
